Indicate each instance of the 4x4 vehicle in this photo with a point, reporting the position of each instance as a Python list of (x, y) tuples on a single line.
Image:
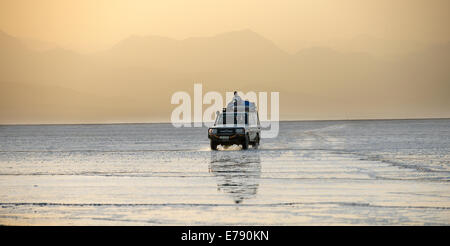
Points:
[(236, 125)]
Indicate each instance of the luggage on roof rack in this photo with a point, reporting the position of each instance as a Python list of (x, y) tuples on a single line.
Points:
[(240, 106)]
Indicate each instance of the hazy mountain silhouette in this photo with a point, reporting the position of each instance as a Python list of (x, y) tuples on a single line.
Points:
[(134, 80), (385, 48), (38, 45), (9, 43), (234, 50)]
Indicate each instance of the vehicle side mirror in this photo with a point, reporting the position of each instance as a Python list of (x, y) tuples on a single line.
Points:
[(217, 113)]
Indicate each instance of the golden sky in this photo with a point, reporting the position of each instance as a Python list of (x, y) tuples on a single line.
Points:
[(377, 58), (291, 24)]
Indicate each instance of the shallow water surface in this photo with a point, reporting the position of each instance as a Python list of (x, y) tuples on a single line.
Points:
[(383, 172)]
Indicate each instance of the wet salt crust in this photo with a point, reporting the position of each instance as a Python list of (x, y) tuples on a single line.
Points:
[(392, 172)]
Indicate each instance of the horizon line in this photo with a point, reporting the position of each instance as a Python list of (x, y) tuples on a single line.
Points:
[(142, 123)]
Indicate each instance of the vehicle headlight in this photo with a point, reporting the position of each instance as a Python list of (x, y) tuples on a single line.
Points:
[(240, 131), (212, 131)]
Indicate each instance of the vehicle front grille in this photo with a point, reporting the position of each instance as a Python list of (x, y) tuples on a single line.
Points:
[(225, 132)]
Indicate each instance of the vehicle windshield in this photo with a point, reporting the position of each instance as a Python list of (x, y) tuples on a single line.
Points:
[(229, 118), (240, 119)]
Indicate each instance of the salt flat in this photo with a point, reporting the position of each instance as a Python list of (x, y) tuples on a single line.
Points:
[(378, 172)]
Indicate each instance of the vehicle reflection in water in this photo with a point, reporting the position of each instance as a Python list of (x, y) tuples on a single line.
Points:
[(237, 173)]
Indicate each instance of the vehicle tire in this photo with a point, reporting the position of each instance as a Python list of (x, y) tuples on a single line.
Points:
[(256, 143), (245, 143), (213, 145)]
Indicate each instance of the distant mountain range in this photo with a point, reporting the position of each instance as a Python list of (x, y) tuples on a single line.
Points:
[(134, 80)]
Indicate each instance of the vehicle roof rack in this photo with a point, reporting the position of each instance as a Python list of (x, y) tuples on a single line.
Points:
[(242, 106)]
